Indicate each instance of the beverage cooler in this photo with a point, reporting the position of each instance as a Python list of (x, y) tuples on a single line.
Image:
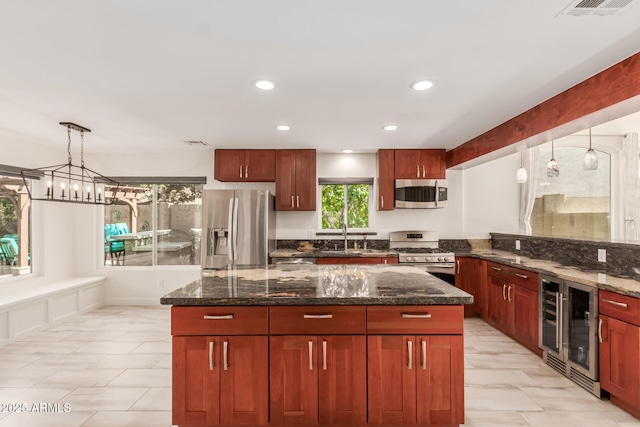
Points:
[(568, 330)]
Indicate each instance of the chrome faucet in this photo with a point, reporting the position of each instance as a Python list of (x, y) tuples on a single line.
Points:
[(344, 232)]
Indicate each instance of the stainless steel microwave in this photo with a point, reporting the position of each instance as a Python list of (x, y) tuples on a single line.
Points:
[(421, 193)]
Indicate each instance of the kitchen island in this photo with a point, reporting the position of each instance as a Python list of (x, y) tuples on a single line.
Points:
[(318, 345)]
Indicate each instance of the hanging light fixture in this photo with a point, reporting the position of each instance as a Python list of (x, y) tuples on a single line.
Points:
[(521, 173), (590, 159), (68, 182), (553, 170)]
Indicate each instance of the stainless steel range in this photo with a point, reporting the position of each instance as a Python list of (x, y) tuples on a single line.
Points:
[(420, 249)]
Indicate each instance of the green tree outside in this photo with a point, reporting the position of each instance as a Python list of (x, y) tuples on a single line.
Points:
[(338, 198)]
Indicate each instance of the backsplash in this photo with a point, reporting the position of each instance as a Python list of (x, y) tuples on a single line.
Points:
[(447, 245), (623, 259)]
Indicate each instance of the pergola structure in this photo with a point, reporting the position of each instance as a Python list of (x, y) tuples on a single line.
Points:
[(129, 196), (13, 188)]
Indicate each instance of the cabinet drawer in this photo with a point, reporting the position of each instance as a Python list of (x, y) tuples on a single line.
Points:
[(214, 320), (334, 320), (516, 276), (415, 319), (620, 307)]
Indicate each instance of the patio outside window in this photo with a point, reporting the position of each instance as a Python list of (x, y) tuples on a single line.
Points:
[(153, 224), (15, 224)]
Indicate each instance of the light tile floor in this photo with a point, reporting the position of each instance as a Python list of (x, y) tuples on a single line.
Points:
[(112, 367)]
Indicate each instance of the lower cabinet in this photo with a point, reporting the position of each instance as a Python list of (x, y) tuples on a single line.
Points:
[(415, 379), (469, 279), (220, 380), (318, 380)]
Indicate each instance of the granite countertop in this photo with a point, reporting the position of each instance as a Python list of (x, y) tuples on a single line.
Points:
[(310, 284), (600, 280), (349, 253)]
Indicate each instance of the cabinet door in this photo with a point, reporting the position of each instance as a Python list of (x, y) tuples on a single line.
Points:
[(294, 380), (342, 367), (244, 380), (196, 376), (434, 163), (229, 165), (440, 379), (467, 279), (391, 379), (305, 180), (497, 307), (386, 180), (525, 316), (619, 360), (260, 165), (407, 164), (285, 180)]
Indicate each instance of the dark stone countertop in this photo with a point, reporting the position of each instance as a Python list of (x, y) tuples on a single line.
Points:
[(349, 253), (601, 280), (310, 284)]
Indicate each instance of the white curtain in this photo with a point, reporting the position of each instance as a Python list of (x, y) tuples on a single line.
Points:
[(528, 190), (631, 186)]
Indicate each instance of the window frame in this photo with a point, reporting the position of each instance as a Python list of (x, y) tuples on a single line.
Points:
[(346, 181)]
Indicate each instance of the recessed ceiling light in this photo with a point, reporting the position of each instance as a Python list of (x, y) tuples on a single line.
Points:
[(347, 151), (390, 127), (264, 85), (421, 85), (283, 127)]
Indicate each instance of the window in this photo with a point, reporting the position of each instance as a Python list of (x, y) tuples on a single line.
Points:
[(577, 203), (153, 224), (341, 201), (15, 224)]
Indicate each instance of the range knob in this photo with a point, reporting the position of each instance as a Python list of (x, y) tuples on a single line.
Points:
[(411, 259), (441, 259), (427, 258)]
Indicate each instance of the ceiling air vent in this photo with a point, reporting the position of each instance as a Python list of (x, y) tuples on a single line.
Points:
[(598, 7), (196, 143)]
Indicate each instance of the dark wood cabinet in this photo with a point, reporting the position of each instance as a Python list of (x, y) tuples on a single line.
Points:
[(512, 304), (245, 165), (404, 373), (295, 178), (220, 380), (420, 164), (619, 332), (386, 179), (468, 278)]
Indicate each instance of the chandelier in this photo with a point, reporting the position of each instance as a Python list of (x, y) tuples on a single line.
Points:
[(68, 182)]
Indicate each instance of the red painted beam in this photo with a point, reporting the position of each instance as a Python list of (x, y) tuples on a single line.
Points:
[(607, 88)]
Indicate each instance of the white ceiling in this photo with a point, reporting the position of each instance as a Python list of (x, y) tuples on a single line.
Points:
[(149, 74)]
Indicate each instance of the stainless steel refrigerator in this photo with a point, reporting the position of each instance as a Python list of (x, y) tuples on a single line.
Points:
[(238, 227)]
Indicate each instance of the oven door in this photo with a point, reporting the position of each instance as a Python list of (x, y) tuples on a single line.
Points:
[(446, 272)]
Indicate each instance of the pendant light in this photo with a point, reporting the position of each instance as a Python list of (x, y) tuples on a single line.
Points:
[(553, 170), (590, 159), (521, 174)]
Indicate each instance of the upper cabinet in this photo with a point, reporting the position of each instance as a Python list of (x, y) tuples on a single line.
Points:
[(296, 180), (245, 165), (420, 164), (386, 184)]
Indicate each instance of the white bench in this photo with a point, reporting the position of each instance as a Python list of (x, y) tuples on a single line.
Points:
[(29, 305)]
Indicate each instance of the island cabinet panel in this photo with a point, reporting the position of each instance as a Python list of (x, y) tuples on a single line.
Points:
[(386, 180), (296, 180), (219, 320), (415, 319), (245, 165), (468, 279), (220, 380), (420, 164), (619, 333), (302, 320), (357, 260), (318, 380)]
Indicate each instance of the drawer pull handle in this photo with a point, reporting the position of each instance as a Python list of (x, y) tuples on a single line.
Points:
[(619, 304), (522, 275), (211, 365), (416, 316), (600, 331), (497, 269), (324, 355), (424, 355), (221, 317), (226, 350), (318, 316), (311, 355), (410, 351)]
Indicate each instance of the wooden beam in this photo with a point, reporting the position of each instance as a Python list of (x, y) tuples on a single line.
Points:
[(607, 88)]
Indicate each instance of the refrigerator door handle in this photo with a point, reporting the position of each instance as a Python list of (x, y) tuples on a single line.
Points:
[(235, 229), (230, 233)]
